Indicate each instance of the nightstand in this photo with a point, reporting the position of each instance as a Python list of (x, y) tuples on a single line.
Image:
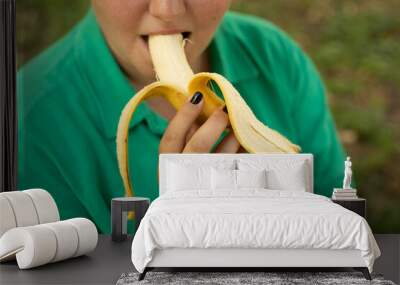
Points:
[(119, 214), (358, 206)]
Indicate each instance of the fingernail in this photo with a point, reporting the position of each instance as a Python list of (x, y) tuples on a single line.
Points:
[(225, 109), (196, 98)]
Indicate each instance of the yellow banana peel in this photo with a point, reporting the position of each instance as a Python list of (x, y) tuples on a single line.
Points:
[(176, 84)]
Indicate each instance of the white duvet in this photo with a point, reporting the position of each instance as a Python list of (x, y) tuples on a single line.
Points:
[(251, 218)]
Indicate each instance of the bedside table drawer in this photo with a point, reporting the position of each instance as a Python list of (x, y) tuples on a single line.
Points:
[(358, 206)]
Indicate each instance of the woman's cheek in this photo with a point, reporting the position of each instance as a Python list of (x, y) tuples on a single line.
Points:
[(211, 10)]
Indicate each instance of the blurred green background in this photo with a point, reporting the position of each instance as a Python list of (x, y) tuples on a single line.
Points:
[(356, 47)]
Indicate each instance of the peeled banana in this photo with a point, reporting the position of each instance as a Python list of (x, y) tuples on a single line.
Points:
[(177, 83)]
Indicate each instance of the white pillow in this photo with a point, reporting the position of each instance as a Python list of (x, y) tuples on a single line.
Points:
[(229, 179), (184, 173), (282, 174), (251, 178), (289, 179), (181, 177), (223, 179)]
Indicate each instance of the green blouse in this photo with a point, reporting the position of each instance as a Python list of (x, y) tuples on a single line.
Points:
[(71, 96)]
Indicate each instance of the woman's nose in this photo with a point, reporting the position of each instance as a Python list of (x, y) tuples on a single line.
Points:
[(167, 10)]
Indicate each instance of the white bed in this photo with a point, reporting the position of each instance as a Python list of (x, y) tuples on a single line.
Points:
[(248, 226)]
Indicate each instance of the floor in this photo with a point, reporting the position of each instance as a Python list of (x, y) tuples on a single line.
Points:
[(110, 259)]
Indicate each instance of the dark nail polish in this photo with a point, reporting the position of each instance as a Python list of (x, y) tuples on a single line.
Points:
[(196, 98), (225, 109)]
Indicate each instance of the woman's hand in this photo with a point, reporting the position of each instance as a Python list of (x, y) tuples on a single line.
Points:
[(184, 135)]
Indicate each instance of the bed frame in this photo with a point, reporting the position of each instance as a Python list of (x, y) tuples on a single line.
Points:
[(248, 259)]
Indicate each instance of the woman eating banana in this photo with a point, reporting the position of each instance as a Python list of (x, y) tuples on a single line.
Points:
[(133, 79)]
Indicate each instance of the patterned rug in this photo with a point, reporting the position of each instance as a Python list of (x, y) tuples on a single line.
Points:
[(232, 278)]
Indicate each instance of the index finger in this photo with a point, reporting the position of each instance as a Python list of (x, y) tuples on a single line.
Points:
[(174, 138)]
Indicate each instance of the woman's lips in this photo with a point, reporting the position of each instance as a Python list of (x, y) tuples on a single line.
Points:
[(145, 37)]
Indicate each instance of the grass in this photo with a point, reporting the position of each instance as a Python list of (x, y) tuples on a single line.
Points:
[(356, 47)]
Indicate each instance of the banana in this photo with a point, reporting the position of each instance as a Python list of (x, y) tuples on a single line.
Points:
[(176, 83)]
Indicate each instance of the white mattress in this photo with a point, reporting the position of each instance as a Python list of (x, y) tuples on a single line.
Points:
[(252, 218)]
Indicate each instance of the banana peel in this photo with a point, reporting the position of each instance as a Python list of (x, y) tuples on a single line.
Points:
[(176, 84)]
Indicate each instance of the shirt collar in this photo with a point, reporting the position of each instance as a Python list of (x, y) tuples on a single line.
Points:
[(229, 53), (112, 90)]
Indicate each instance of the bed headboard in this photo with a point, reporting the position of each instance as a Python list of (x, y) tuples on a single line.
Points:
[(201, 159)]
